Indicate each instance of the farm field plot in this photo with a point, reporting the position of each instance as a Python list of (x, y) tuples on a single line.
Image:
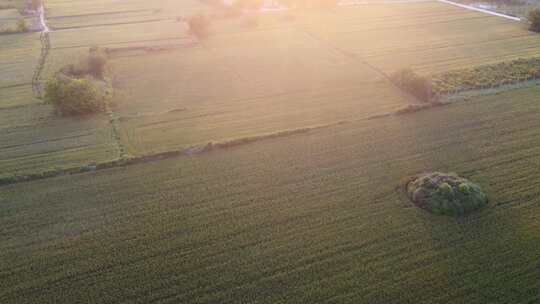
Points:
[(313, 70), (33, 140), (76, 13), (17, 96), (8, 16), (85, 21), (68, 16), (242, 85), (17, 4), (430, 37), (68, 46), (19, 55), (118, 34), (309, 218)]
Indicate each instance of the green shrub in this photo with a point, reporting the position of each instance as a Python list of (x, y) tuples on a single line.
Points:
[(464, 188), (96, 62), (72, 96), (22, 26), (416, 85), (534, 20), (446, 190), (34, 4), (446, 194), (199, 26)]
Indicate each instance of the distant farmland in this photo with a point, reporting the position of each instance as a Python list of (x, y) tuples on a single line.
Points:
[(309, 218), (287, 73), (318, 69)]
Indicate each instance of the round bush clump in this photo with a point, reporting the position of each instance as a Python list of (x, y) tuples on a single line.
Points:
[(447, 194), (72, 96)]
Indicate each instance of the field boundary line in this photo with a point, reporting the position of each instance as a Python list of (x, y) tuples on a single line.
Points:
[(89, 26), (115, 129), (103, 13), (16, 85), (185, 152), (363, 61), (472, 8)]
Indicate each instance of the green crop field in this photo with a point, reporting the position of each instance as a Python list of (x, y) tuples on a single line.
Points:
[(7, 16), (19, 56), (265, 164), (240, 90), (316, 217), (429, 37), (8, 4)]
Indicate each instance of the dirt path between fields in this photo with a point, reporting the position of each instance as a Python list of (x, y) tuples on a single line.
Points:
[(42, 20), (472, 8)]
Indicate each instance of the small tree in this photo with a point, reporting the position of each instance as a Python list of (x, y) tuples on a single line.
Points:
[(199, 26), (71, 96), (22, 26), (534, 20), (97, 62), (34, 4), (94, 64), (418, 86)]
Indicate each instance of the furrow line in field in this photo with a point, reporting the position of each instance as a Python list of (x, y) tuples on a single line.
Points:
[(69, 28)]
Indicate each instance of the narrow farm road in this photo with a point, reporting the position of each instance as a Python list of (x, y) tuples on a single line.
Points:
[(472, 8)]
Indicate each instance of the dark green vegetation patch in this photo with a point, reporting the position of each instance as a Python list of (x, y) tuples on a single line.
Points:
[(80, 88), (534, 20), (487, 76), (447, 194)]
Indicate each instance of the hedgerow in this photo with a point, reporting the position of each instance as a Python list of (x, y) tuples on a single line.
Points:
[(487, 76), (20, 27)]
